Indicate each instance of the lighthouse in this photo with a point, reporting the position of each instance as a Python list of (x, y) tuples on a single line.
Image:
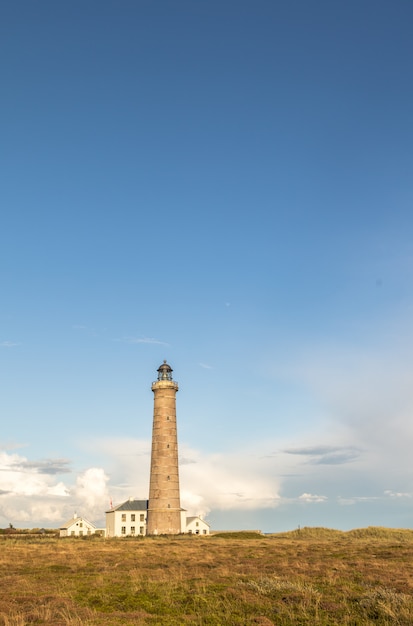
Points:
[(164, 506)]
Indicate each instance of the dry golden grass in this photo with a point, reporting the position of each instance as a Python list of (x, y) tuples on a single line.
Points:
[(312, 576)]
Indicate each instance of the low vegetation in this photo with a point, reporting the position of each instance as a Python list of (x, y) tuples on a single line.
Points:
[(309, 576)]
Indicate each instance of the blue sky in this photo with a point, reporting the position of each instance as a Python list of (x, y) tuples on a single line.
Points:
[(228, 186)]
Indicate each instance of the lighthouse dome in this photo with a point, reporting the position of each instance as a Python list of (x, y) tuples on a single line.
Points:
[(165, 371)]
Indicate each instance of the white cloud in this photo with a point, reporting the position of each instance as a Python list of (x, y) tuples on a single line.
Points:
[(19, 478), (12, 445), (59, 490), (127, 463), (30, 494), (227, 481), (309, 497), (357, 500), (137, 340), (50, 512), (346, 501), (397, 494), (9, 344), (91, 492)]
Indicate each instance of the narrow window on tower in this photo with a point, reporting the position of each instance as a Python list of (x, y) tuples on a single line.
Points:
[(169, 506), (167, 445), (168, 478), (167, 417)]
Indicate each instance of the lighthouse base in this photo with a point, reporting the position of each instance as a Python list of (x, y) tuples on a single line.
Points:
[(164, 522)]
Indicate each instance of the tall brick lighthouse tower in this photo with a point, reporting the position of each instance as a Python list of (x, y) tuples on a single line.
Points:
[(164, 508)]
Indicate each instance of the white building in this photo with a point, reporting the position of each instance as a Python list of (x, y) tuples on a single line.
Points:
[(196, 526), (77, 527), (129, 520)]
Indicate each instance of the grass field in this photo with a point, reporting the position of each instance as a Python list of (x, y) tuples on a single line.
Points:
[(312, 576)]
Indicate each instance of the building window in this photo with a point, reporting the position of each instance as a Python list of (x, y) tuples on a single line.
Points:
[(167, 445), (123, 530), (168, 478), (132, 517), (169, 506), (142, 517), (132, 530), (167, 418), (197, 524), (123, 517), (80, 533), (141, 530), (81, 524), (73, 533), (204, 532)]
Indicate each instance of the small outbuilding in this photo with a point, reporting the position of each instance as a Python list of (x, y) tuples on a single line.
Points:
[(197, 526)]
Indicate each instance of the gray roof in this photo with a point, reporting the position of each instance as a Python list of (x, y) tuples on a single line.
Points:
[(190, 519), (131, 505)]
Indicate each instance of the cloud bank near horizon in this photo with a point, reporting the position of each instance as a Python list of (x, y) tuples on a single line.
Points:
[(358, 451), (262, 476)]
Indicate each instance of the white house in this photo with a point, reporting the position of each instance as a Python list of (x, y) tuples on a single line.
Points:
[(77, 527), (196, 526), (129, 519)]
